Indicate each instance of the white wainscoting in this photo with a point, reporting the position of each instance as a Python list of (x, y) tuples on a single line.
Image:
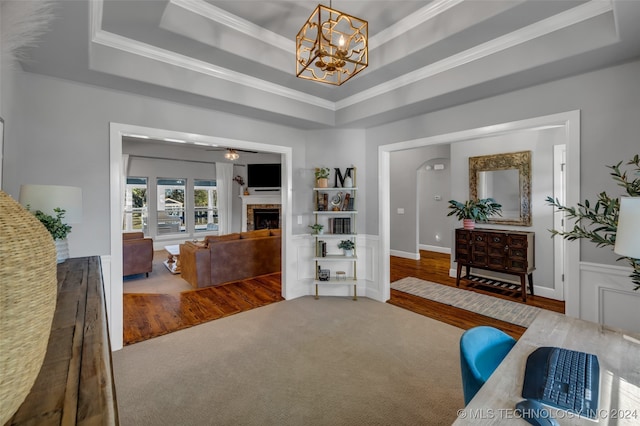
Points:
[(606, 296), (368, 285)]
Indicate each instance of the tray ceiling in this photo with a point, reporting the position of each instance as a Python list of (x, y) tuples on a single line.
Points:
[(239, 56)]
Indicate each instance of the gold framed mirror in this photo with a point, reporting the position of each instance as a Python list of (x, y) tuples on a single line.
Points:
[(507, 179)]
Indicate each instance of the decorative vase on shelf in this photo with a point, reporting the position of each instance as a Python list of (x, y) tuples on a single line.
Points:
[(348, 182), (348, 252), (322, 183), (468, 223), (246, 191), (62, 250)]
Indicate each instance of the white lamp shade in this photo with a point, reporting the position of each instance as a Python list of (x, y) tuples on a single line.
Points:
[(48, 197), (628, 233)]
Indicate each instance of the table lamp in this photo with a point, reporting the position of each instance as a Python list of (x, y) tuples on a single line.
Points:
[(628, 233)]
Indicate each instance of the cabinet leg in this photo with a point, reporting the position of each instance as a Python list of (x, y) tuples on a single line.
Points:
[(523, 287), (531, 283), (458, 274)]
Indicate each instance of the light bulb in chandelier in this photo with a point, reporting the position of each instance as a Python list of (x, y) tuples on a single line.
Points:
[(231, 154)]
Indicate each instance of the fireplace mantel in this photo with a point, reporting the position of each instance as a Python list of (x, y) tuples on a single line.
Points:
[(257, 200)]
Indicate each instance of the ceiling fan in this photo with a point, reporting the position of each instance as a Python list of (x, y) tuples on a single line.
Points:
[(232, 153)]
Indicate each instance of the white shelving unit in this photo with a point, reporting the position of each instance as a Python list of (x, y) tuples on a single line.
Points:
[(335, 210)]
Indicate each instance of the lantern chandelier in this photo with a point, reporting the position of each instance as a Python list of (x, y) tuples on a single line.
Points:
[(331, 47)]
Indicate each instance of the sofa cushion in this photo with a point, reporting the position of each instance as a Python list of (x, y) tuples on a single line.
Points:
[(209, 239), (255, 234), (132, 235), (275, 232)]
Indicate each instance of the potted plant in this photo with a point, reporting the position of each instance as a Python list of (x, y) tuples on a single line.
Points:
[(58, 230), (347, 246), (322, 177), (472, 211), (316, 228)]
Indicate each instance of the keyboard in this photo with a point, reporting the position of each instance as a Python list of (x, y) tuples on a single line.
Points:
[(564, 379)]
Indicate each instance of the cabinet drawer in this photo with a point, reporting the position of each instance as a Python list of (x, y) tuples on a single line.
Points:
[(497, 262), (517, 265), (497, 239), (519, 241)]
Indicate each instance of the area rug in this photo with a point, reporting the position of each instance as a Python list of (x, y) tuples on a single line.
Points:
[(504, 310), (332, 361)]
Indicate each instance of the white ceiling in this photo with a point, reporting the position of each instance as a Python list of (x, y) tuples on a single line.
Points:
[(239, 56)]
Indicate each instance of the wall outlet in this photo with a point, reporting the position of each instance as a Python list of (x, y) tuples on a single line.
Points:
[(400, 210)]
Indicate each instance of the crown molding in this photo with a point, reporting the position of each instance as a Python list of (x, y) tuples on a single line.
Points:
[(539, 29), (236, 23), (531, 32), (135, 47), (414, 20)]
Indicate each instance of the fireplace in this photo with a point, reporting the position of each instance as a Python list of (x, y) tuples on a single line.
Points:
[(262, 216), (266, 218)]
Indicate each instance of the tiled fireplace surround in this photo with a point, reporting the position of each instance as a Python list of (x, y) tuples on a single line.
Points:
[(261, 202)]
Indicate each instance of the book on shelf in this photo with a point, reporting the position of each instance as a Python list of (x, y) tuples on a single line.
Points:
[(321, 249), (340, 225), (345, 204)]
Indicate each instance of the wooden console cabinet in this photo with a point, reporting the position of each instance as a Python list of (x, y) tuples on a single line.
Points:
[(509, 252), (75, 384)]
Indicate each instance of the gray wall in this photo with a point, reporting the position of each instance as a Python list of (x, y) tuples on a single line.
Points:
[(59, 134), (434, 192), (404, 195), (609, 101)]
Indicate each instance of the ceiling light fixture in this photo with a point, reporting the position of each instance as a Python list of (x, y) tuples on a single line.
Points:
[(331, 47), (231, 154)]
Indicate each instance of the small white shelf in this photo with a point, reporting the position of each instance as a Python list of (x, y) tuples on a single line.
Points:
[(336, 189), (335, 257), (338, 212), (335, 281), (327, 235)]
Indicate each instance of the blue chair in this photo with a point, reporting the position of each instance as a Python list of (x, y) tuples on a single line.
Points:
[(481, 350)]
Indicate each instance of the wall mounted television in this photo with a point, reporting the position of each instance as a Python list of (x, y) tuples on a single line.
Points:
[(263, 175)]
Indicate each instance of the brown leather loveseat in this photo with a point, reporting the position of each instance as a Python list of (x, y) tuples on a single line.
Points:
[(137, 254), (232, 257)]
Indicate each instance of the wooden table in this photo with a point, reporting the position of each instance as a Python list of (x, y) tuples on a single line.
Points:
[(619, 356), (173, 261), (75, 384)]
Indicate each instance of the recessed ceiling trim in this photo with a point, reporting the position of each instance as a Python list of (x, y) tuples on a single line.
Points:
[(236, 23), (135, 47), (563, 20), (531, 32), (414, 20)]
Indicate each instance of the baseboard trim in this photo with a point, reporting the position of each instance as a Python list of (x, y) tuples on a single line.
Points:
[(405, 254), (437, 249)]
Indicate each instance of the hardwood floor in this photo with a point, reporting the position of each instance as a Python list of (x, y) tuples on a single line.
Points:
[(434, 267), (151, 315)]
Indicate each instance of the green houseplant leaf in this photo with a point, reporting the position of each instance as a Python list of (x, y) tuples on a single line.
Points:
[(54, 225), (598, 222), (477, 210)]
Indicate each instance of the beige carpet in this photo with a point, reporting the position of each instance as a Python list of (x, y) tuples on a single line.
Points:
[(160, 280), (330, 361), (494, 307)]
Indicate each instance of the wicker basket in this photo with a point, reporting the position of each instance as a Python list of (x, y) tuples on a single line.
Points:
[(28, 288)]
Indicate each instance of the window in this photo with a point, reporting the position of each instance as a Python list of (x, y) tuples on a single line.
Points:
[(135, 205), (171, 217), (205, 205)]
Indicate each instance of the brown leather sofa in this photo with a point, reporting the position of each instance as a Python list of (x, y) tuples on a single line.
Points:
[(137, 254), (232, 257)]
